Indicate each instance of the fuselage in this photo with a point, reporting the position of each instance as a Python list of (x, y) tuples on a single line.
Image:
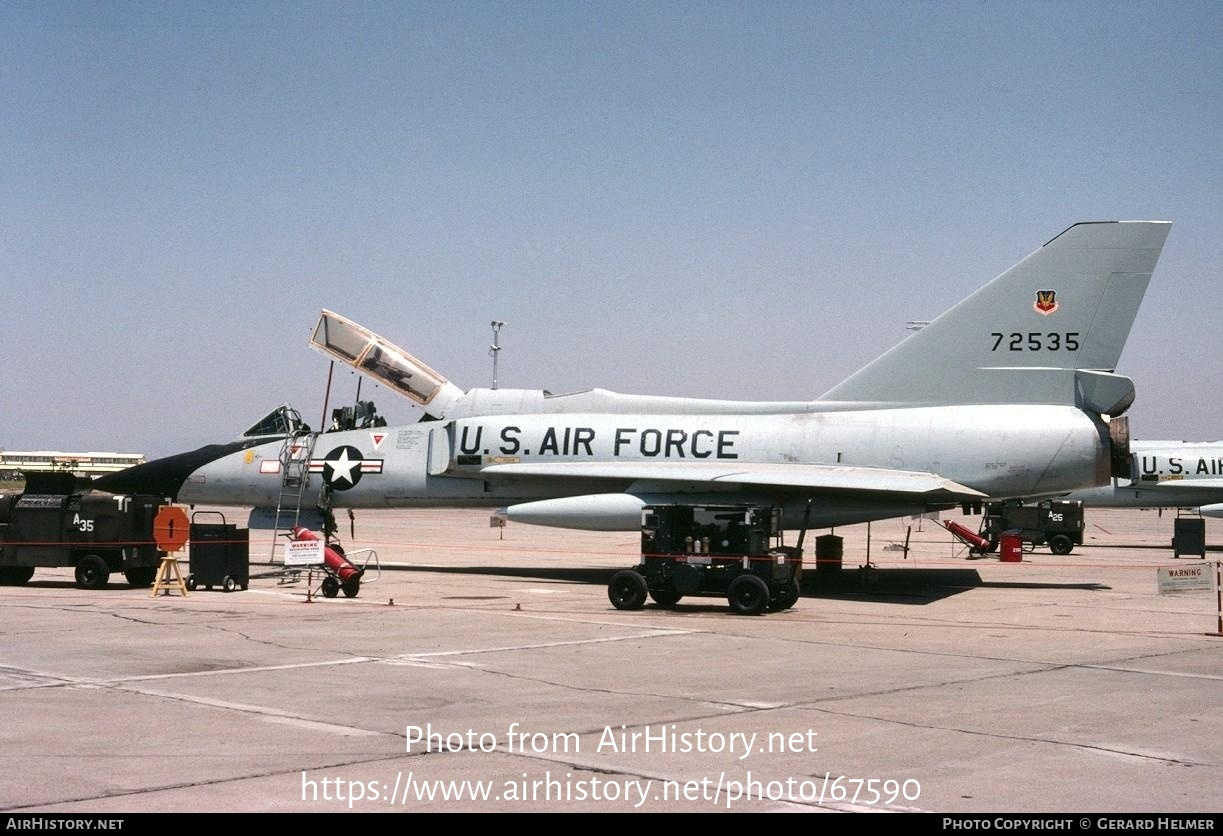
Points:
[(1001, 451)]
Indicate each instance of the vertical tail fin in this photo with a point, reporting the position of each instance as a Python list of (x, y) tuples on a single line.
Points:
[(1048, 330)]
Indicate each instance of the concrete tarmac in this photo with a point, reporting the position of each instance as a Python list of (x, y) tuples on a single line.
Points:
[(485, 670)]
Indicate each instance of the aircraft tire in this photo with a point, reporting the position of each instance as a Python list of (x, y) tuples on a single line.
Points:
[(627, 590), (331, 587), (748, 595), (15, 575), (92, 572), (1061, 544)]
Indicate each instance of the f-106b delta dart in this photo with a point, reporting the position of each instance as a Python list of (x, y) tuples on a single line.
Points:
[(1010, 393)]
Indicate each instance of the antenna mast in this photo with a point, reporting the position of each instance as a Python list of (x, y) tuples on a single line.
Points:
[(495, 349)]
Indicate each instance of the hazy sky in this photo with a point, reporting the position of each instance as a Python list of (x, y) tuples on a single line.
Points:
[(734, 200)]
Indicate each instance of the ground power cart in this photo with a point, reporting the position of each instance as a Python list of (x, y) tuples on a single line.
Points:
[(1057, 523), (53, 523), (711, 550)]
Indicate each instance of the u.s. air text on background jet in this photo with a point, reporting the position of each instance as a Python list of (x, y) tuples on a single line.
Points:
[(1166, 474), (1010, 393)]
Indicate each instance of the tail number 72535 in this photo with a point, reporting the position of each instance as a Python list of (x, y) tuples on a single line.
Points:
[(1036, 341)]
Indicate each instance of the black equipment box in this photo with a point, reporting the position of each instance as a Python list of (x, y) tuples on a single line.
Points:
[(219, 555), (1189, 537)]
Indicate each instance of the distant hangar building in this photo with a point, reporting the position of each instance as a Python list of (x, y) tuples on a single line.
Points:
[(13, 462)]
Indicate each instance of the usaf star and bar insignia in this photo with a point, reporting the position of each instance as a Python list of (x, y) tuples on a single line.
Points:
[(344, 466)]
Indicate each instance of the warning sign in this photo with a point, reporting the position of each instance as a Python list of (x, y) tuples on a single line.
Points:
[(1184, 578), (304, 553)]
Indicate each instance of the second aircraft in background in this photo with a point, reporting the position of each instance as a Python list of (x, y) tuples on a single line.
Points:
[(1166, 474)]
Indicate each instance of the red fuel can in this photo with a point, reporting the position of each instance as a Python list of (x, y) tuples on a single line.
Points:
[(1010, 548)]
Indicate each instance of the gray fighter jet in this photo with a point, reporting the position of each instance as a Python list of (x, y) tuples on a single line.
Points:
[(1166, 474), (1010, 393)]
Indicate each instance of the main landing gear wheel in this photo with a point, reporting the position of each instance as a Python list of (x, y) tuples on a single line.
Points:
[(748, 595), (92, 572), (627, 590)]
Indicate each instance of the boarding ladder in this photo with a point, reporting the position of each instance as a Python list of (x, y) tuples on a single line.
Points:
[(295, 455)]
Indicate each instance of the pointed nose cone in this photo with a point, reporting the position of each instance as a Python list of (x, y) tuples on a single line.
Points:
[(166, 476)]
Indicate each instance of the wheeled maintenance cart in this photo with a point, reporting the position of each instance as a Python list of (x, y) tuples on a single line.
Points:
[(55, 523), (1055, 522), (219, 555), (711, 550)]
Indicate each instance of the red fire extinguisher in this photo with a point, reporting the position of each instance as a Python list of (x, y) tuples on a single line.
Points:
[(344, 569)]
